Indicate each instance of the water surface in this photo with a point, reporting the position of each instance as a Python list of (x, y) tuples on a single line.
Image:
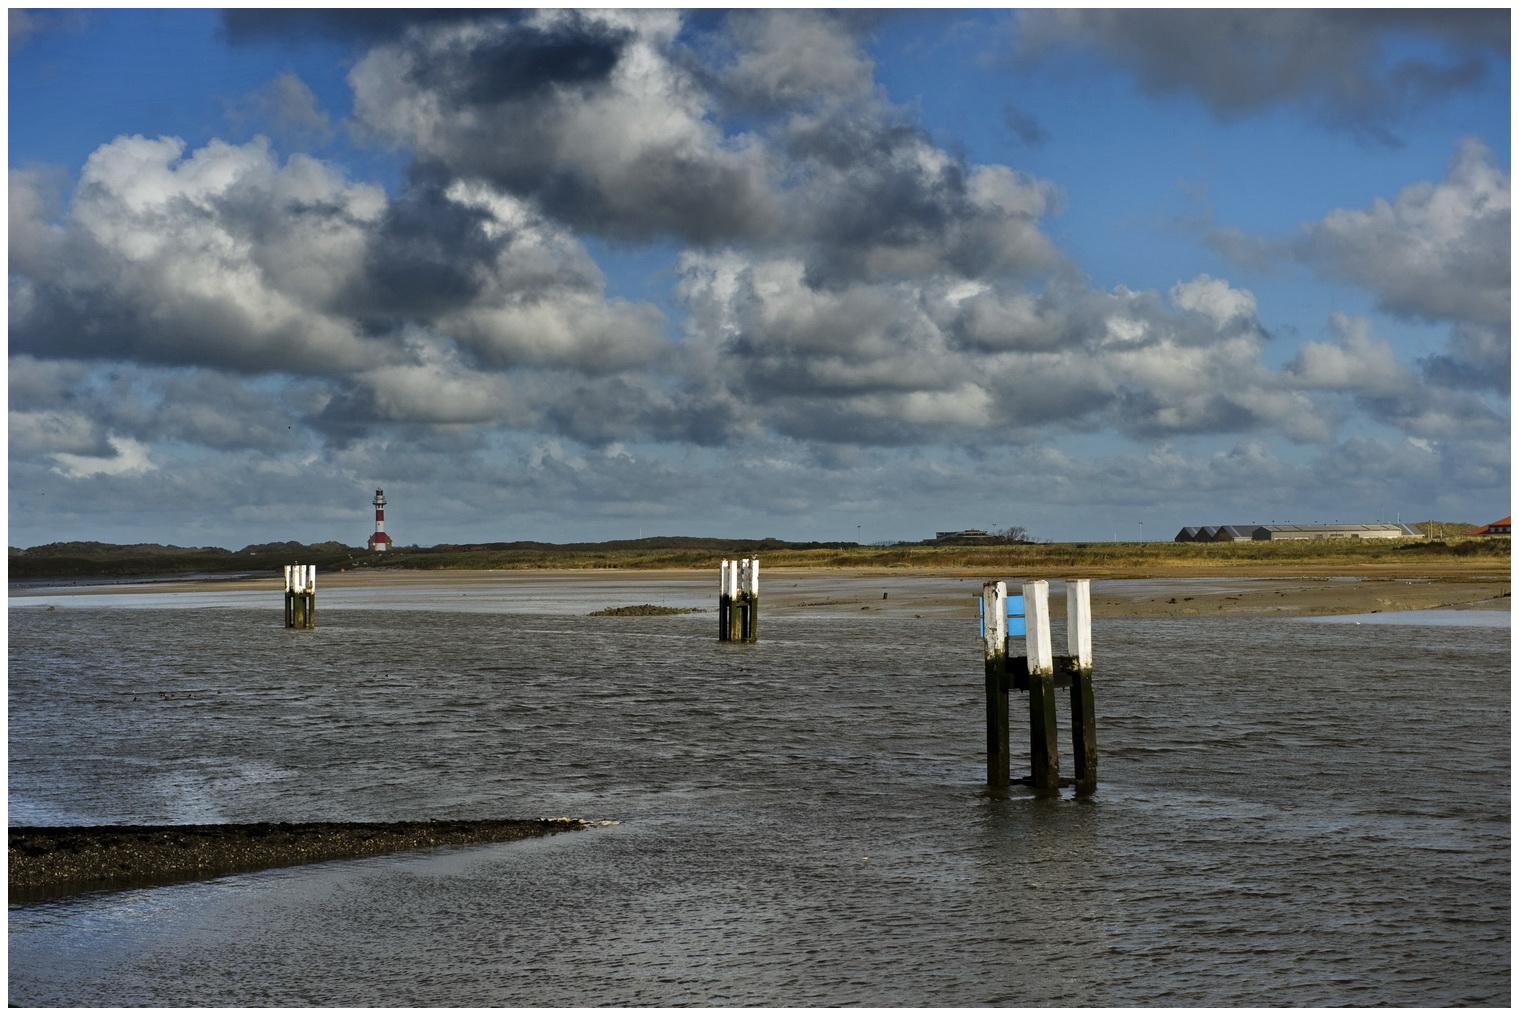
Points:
[(1289, 813)]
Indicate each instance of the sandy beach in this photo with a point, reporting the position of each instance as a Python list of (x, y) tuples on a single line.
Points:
[(901, 593)]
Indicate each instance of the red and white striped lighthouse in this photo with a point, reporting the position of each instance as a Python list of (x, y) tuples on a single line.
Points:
[(380, 540)]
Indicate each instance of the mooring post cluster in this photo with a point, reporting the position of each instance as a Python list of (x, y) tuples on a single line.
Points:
[(1039, 672), (738, 601), (300, 596)]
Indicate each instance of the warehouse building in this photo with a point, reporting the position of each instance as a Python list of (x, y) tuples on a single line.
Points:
[(1216, 534), (1298, 531), (1336, 530)]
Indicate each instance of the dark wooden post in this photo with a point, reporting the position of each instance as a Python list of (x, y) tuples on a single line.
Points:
[(1078, 622), (300, 596), (994, 636), (735, 605), (1044, 749), (738, 601), (725, 603), (749, 581)]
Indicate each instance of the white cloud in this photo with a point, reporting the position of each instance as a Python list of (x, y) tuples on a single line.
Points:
[(131, 458), (1355, 362), (1437, 251), (221, 257), (857, 303)]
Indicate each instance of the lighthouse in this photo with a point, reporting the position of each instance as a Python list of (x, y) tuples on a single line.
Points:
[(380, 540)]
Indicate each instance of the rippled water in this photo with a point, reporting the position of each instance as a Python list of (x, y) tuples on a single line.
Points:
[(1289, 813)]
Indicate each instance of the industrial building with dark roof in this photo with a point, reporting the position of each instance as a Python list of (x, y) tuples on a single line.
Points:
[(1298, 531)]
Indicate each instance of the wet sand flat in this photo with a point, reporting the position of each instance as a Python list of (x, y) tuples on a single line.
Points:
[(907, 593)]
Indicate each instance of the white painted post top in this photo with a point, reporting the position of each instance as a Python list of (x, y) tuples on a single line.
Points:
[(754, 577), (994, 607), (1036, 609), (1078, 621)]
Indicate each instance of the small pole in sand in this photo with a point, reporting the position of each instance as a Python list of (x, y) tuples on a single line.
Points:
[(300, 596), (738, 601)]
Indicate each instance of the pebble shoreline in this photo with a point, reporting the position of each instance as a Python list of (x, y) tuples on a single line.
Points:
[(49, 861)]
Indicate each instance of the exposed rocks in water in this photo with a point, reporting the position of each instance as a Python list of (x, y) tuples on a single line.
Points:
[(47, 861), (644, 610)]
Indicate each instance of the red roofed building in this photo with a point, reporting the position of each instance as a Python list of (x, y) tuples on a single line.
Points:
[(1499, 528)]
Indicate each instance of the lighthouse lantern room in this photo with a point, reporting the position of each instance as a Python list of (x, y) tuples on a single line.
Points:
[(380, 540)]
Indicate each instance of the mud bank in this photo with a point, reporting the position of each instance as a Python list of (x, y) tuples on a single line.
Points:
[(892, 593), (49, 861)]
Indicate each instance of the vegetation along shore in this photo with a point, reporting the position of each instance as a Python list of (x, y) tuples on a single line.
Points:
[(1445, 548)]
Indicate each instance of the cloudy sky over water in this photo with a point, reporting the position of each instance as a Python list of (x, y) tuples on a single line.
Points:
[(820, 276)]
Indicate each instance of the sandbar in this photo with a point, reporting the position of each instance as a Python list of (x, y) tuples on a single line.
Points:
[(50, 861), (906, 593)]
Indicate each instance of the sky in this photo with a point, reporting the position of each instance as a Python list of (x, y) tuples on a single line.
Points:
[(574, 275)]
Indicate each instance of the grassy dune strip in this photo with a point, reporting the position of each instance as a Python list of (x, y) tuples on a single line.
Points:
[(1071, 558), (47, 861), (1447, 547)]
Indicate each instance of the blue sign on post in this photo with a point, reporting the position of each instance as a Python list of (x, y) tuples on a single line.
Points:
[(1015, 622)]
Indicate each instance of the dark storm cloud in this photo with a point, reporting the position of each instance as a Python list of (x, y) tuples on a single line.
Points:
[(428, 254), (824, 166), (548, 111), (850, 291), (523, 64), (610, 123), (226, 258), (1241, 61)]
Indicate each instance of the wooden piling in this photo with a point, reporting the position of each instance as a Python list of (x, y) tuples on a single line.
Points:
[(1078, 622), (300, 596), (725, 603), (738, 601), (735, 605), (994, 636), (1044, 750), (1039, 673), (749, 594)]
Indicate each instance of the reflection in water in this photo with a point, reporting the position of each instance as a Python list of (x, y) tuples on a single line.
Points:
[(1289, 814)]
